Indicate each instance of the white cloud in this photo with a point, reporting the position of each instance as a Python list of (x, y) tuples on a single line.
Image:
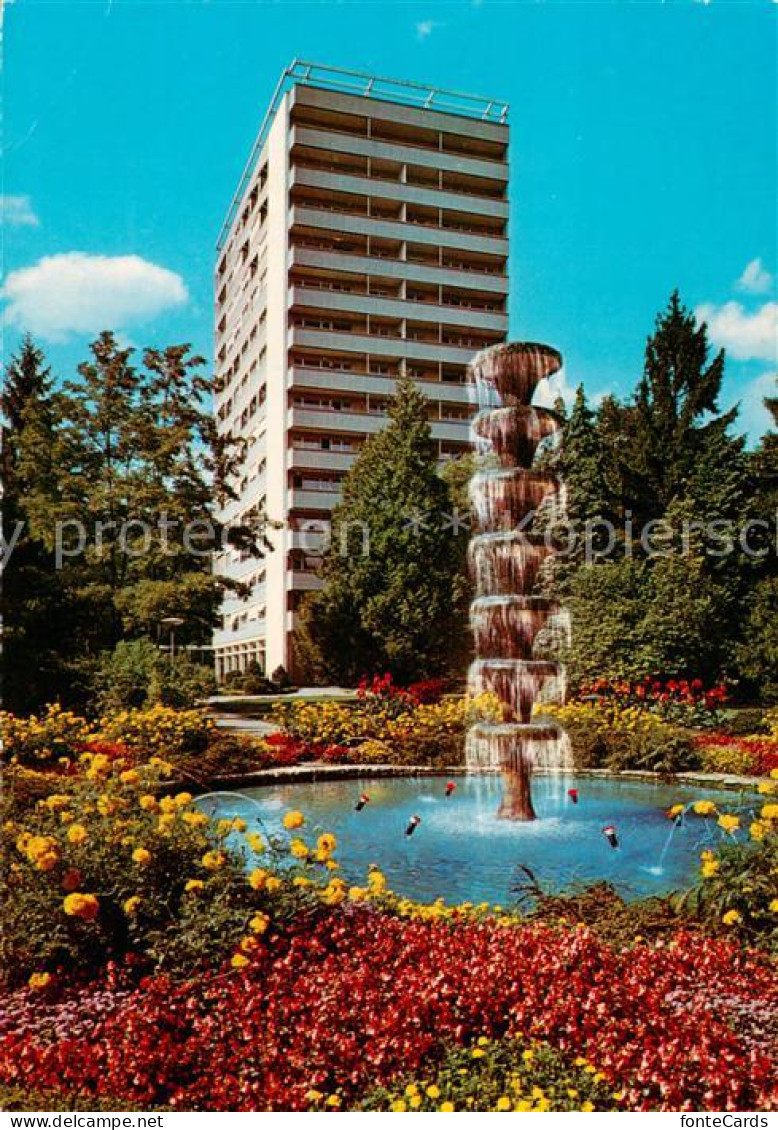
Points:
[(747, 336), (425, 28), (17, 211), (754, 418), (81, 293), (549, 391), (755, 278)]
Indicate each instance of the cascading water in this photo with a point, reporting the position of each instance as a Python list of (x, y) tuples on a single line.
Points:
[(509, 621)]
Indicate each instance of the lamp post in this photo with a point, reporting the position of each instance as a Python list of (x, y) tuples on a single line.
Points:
[(172, 622)]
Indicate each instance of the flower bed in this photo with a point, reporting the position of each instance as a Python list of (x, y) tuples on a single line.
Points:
[(223, 970), (411, 725), (355, 1000)]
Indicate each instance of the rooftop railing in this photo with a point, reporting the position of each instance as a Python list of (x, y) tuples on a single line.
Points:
[(368, 86)]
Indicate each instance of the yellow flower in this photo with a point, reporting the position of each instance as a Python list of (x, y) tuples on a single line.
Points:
[(166, 822), (142, 856), (131, 905), (273, 884), (327, 843), (773, 907), (168, 804), (182, 799), (769, 812), (766, 788), (213, 860), (259, 923), (478, 1053), (676, 810), (527, 1055), (56, 801), (299, 849), (758, 830), (504, 1103), (194, 819), (249, 944), (587, 1107), (107, 806), (255, 842), (257, 879), (704, 807), (446, 1108), (732, 918), (193, 886), (293, 820), (239, 961), (376, 881), (149, 803), (76, 834), (129, 777), (433, 1091), (729, 823), (398, 1106), (81, 906), (39, 981), (302, 881), (357, 894), (710, 868)]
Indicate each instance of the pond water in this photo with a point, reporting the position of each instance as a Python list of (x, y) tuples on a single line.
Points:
[(462, 853)]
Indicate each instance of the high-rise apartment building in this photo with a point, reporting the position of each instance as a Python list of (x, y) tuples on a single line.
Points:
[(367, 239)]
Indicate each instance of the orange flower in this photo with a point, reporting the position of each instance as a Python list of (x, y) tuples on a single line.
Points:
[(81, 906)]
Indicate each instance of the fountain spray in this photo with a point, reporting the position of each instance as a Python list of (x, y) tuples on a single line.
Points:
[(507, 617)]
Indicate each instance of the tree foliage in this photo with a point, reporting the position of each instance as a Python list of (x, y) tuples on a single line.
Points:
[(116, 476), (668, 464)]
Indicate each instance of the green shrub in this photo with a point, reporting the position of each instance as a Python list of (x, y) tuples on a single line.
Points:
[(589, 744), (135, 675), (745, 722), (738, 891), (619, 923)]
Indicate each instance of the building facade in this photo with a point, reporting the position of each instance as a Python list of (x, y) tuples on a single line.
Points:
[(367, 239)]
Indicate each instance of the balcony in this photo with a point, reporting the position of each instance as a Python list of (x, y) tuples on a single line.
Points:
[(301, 215), (397, 308), (330, 260), (380, 346), (394, 190), (302, 581), (304, 376), (386, 149), (365, 423), (319, 459), (297, 499)]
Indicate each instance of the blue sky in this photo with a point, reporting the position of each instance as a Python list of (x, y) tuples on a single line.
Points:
[(643, 158)]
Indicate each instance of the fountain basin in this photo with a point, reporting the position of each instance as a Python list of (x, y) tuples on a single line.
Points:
[(518, 683), (509, 374), (502, 499), (508, 627), (514, 434), (505, 563), (461, 853)]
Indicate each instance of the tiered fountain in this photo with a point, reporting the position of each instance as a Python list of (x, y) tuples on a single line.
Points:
[(509, 619)]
